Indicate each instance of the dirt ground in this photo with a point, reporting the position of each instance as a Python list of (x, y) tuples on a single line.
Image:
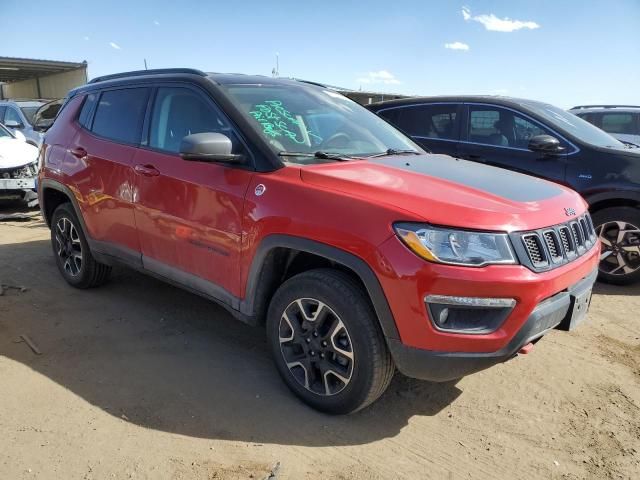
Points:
[(139, 379)]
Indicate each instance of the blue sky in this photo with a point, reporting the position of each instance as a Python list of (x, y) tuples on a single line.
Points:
[(564, 52)]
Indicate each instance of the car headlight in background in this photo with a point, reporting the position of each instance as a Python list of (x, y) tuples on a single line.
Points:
[(456, 247)]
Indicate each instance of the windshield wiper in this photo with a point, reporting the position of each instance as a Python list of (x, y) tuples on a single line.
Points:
[(319, 154), (393, 151), (629, 144)]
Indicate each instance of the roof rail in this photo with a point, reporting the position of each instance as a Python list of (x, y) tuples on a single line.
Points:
[(604, 106), (155, 71)]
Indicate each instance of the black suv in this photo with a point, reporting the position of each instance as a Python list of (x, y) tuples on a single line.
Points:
[(545, 141)]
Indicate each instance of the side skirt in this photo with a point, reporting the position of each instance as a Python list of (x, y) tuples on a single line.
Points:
[(112, 255)]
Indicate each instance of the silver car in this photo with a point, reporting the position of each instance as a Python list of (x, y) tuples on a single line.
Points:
[(620, 121), (17, 116)]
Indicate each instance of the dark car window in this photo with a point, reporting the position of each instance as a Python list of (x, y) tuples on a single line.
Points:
[(436, 121), (178, 112), (29, 112), (592, 118), (119, 114), (490, 125), (622, 122), (87, 107), (2, 110)]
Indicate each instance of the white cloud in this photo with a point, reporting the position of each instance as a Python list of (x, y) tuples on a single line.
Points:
[(457, 46), (156, 23), (115, 45), (495, 24), (381, 76), (86, 38)]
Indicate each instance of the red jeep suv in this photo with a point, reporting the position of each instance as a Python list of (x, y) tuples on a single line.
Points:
[(298, 209)]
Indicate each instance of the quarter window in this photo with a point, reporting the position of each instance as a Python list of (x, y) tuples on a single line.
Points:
[(178, 112), (87, 107), (120, 113)]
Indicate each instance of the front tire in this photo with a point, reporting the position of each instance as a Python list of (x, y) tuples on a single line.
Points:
[(71, 251), (327, 343), (618, 229)]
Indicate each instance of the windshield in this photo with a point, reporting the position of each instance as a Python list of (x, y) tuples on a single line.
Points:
[(29, 112), (4, 132), (579, 128), (306, 120)]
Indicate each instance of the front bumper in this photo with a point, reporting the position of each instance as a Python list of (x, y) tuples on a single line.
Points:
[(438, 366), (18, 183)]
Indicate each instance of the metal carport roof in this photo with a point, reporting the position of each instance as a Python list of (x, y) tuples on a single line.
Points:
[(16, 69)]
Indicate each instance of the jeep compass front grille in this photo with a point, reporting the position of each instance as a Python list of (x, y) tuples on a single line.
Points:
[(552, 247)]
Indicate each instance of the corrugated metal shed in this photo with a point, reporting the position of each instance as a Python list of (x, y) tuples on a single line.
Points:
[(35, 78)]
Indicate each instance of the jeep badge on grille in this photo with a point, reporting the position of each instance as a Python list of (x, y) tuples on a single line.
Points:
[(569, 212)]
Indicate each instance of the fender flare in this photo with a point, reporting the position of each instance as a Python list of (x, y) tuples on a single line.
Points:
[(349, 260), (594, 198), (48, 183)]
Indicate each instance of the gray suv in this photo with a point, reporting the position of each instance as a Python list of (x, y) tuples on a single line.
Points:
[(17, 115), (620, 121)]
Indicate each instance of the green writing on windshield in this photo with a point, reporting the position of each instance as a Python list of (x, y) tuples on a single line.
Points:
[(277, 121)]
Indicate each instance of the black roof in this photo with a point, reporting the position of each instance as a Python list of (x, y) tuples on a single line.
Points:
[(491, 99), (219, 78), (173, 73)]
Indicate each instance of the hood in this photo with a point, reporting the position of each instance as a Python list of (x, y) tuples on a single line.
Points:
[(442, 190), (15, 153)]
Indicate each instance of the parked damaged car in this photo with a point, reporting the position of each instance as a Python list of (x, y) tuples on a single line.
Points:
[(18, 168)]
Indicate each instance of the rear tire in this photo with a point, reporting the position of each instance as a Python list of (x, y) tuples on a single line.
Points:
[(327, 343), (618, 229), (71, 251)]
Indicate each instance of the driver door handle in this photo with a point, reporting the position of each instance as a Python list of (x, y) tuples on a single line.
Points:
[(78, 152), (146, 170)]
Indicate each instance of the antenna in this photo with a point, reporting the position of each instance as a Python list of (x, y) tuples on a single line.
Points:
[(276, 71), (145, 64)]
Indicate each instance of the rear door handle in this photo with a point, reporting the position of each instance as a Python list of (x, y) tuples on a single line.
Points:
[(78, 152), (147, 170)]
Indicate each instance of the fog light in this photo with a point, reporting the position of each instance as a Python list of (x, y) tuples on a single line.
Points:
[(469, 315)]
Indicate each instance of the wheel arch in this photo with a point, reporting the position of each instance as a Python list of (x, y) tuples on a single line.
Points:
[(53, 194), (279, 257), (600, 201)]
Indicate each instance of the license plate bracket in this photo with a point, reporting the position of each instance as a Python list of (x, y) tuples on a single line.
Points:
[(579, 307)]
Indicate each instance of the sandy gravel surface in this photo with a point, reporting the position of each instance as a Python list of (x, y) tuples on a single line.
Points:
[(139, 379)]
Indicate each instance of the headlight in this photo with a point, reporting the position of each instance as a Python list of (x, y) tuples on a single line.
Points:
[(456, 247)]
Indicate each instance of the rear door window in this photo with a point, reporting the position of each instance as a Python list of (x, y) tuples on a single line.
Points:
[(120, 113), (435, 121)]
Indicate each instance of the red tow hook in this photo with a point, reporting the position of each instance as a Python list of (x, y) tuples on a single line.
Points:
[(526, 349)]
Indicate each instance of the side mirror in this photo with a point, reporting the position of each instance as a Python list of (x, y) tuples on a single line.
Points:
[(545, 144), (208, 147), (20, 136), (13, 124)]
